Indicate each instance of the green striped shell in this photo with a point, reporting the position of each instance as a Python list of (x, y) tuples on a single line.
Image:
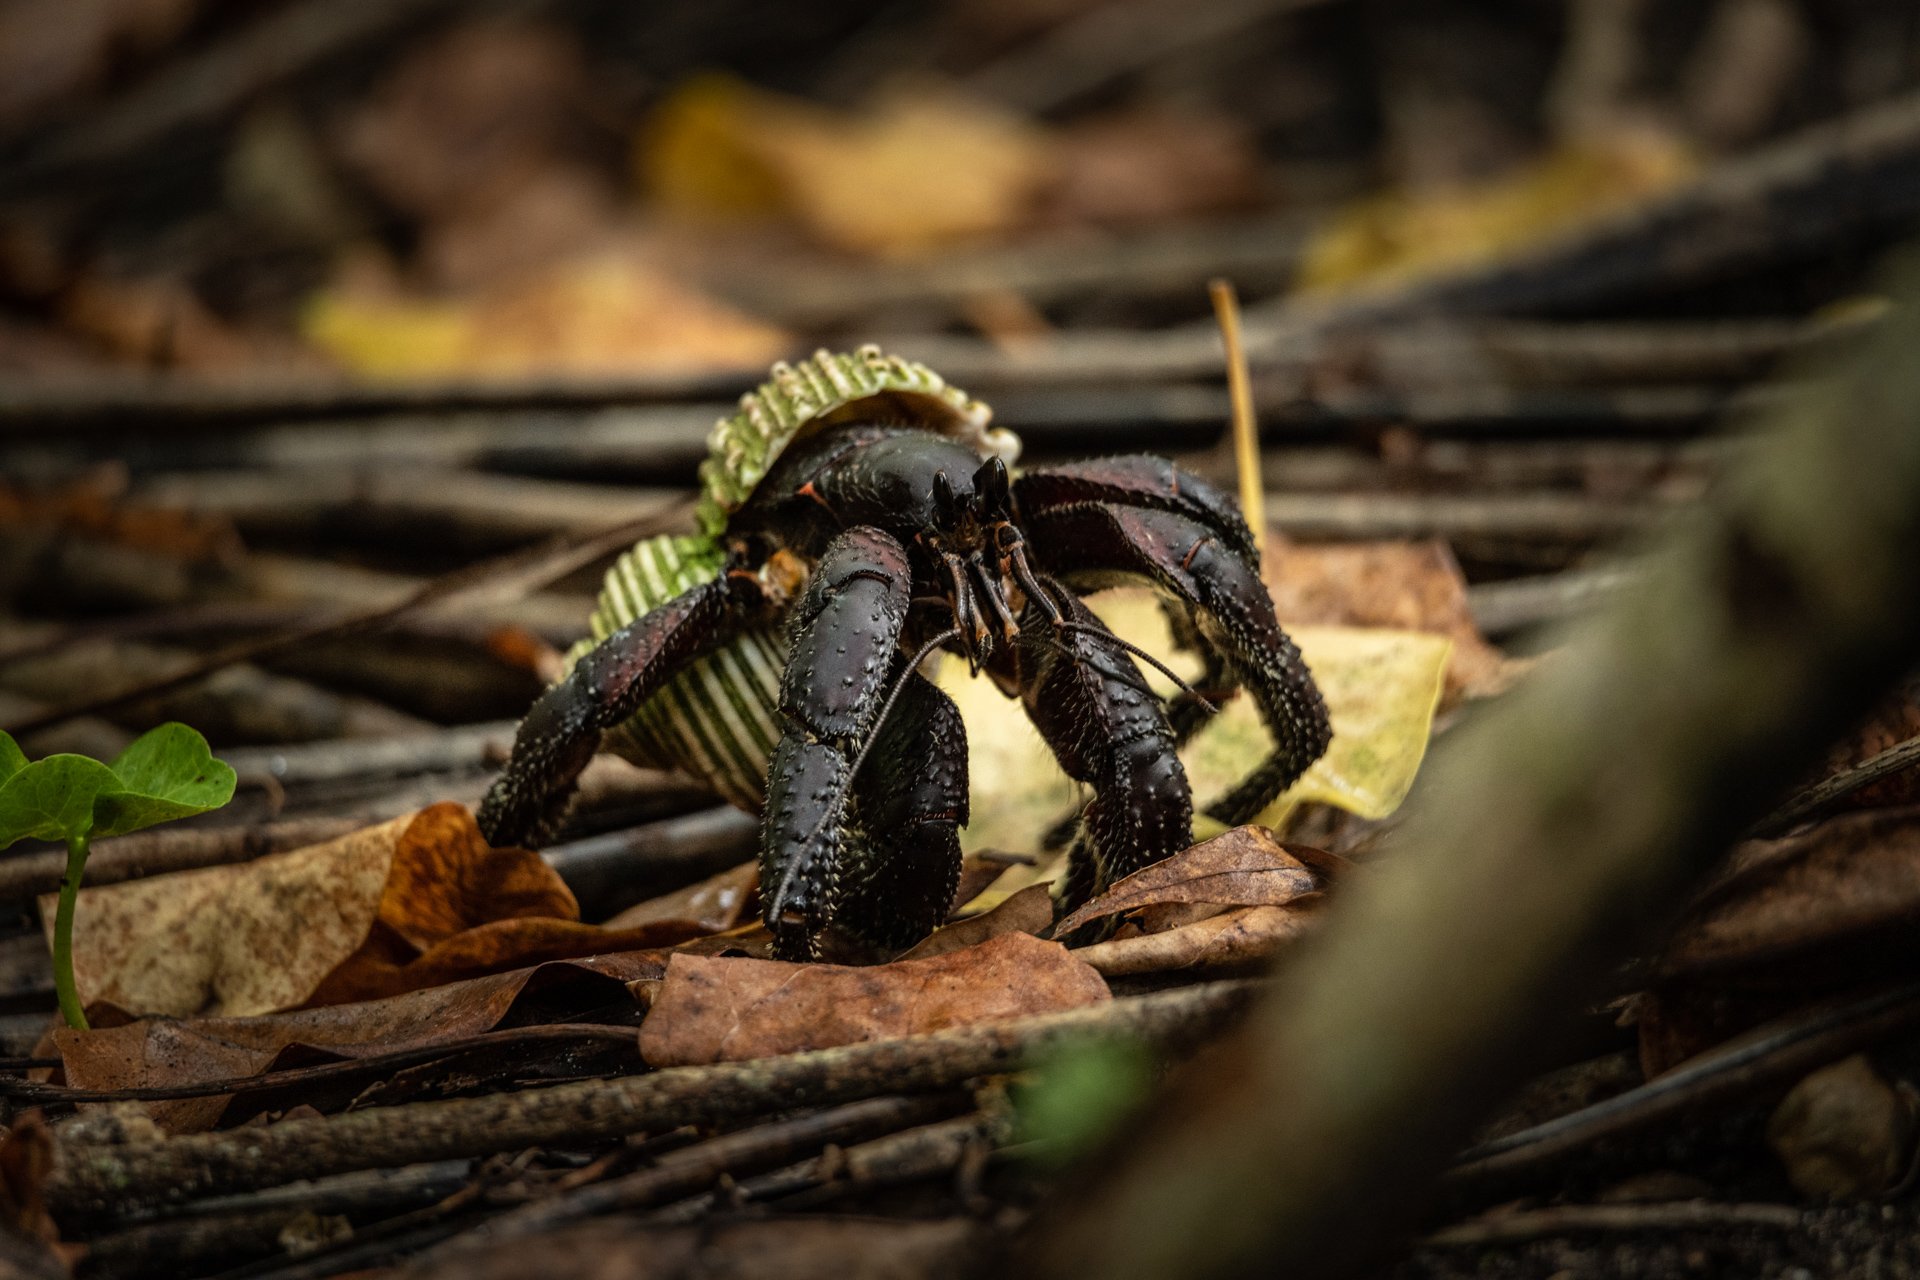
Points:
[(719, 719), (833, 387)]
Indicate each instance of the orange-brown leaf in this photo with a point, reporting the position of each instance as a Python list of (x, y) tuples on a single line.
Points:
[(166, 1051), (721, 1010)]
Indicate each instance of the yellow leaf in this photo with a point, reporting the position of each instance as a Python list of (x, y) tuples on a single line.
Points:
[(1381, 688), (1397, 236), (921, 167), (607, 314), (697, 155)]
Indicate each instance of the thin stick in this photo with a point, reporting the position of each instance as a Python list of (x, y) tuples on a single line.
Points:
[(517, 571), (1566, 1219), (1246, 434), (118, 1175), (1828, 792)]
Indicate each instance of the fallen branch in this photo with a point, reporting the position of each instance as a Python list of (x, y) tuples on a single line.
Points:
[(926, 1152), (691, 1169), (103, 1175), (1571, 1219), (1773, 1055), (513, 573)]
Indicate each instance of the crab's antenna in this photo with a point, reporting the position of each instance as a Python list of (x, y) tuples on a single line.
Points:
[(1142, 654), (1130, 677), (873, 736)]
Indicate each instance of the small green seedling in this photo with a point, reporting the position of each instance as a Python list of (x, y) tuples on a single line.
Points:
[(166, 773)]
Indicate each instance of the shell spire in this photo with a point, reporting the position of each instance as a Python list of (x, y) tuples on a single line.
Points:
[(826, 388)]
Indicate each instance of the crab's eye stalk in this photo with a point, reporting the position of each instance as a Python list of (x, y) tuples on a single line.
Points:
[(946, 504), (991, 484)]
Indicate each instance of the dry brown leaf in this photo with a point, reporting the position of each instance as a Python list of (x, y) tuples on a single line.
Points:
[(1234, 939), (1812, 904), (722, 1010), (413, 902), (1028, 911), (1246, 866), (249, 938), (158, 1052), (1409, 586)]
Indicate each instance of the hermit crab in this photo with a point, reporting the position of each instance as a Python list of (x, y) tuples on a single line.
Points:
[(857, 516)]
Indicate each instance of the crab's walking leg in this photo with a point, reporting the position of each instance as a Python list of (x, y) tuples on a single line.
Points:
[(910, 801), (608, 684), (1107, 729), (845, 635), (1145, 518)]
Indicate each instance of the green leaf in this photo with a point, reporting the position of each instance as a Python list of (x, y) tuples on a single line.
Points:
[(53, 799), (12, 758), (166, 773)]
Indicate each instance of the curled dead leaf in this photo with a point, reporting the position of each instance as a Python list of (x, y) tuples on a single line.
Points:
[(1808, 902), (1246, 866), (726, 1009), (185, 1051), (1238, 938)]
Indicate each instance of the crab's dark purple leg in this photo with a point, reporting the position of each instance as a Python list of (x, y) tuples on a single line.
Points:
[(1145, 518), (562, 731), (844, 642), (1107, 729), (909, 803)]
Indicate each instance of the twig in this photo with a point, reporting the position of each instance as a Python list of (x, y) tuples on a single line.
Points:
[(1773, 1054), (472, 746), (1111, 41), (34, 1091), (1536, 516), (99, 1175), (1570, 1219), (1823, 795), (203, 88), (152, 853), (446, 504), (1500, 608), (510, 573), (920, 1153), (225, 1226), (689, 1169), (246, 703)]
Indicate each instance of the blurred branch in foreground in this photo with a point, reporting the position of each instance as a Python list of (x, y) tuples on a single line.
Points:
[(1550, 835)]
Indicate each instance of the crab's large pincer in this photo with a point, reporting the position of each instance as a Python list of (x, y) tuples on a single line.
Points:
[(845, 636)]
